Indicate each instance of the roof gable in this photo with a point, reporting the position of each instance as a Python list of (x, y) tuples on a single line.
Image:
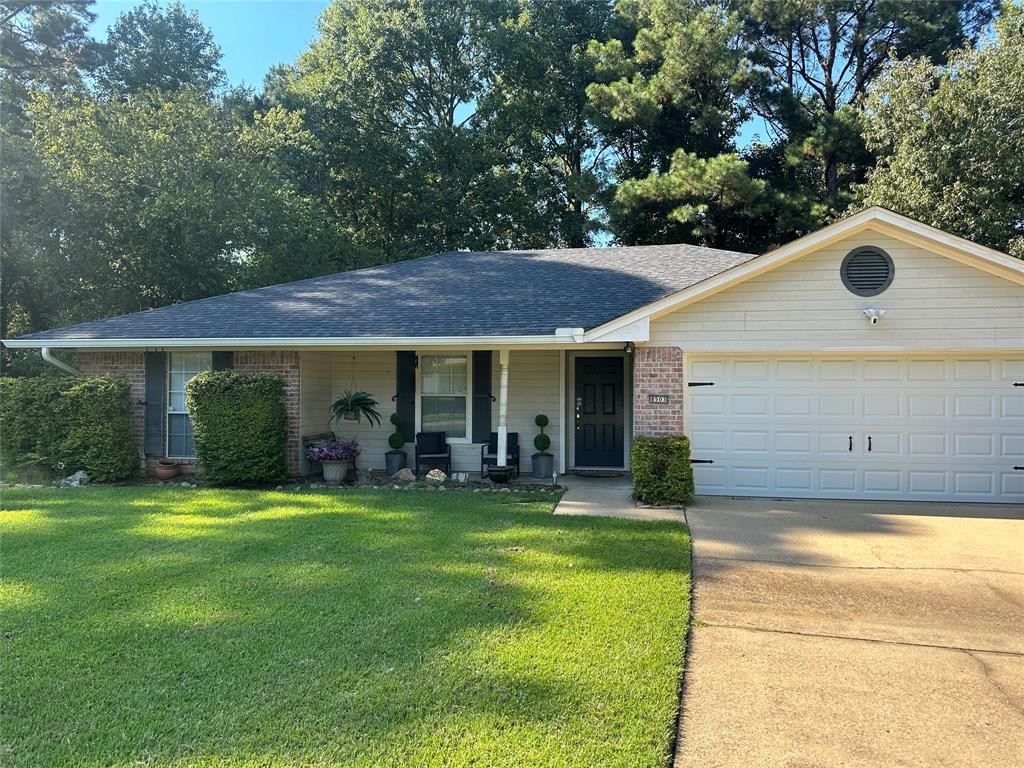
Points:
[(878, 219)]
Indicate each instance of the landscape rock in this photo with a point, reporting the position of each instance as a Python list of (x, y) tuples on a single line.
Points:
[(460, 477), (405, 474), (80, 478), (363, 475), (436, 476)]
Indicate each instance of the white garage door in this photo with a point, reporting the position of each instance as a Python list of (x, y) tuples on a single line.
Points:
[(873, 428)]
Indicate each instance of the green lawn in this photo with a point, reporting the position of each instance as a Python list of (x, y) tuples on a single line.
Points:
[(158, 626)]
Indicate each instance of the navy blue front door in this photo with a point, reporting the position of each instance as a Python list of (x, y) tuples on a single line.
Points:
[(599, 412)]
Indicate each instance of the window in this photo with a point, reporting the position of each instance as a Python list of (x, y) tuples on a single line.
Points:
[(444, 401), (867, 271), (183, 366)]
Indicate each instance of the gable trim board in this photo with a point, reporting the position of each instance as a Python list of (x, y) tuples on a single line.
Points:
[(876, 219)]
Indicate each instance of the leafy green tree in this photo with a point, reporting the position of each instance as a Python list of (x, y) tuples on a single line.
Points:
[(812, 62), (43, 46), (150, 47), (668, 96), (950, 139), (411, 162), (539, 99)]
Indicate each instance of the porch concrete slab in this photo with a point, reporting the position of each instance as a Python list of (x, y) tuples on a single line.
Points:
[(855, 633), (607, 497)]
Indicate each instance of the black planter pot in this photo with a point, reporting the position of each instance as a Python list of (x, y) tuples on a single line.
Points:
[(500, 474), (395, 461), (543, 466)]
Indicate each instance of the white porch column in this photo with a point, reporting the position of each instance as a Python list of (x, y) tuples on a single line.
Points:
[(503, 409)]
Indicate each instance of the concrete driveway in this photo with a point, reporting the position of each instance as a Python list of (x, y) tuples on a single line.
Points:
[(855, 634)]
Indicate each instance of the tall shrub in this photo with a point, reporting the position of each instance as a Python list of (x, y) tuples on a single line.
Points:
[(98, 436), (661, 470), (67, 424), (239, 426)]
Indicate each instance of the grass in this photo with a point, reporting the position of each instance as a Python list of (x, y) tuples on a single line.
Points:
[(173, 627)]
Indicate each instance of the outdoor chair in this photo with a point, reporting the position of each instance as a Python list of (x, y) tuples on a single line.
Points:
[(433, 450), (315, 441), (489, 453)]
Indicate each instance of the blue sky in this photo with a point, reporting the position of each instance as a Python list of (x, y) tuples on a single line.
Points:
[(254, 35)]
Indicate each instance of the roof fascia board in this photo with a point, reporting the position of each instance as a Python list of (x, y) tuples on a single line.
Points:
[(394, 342)]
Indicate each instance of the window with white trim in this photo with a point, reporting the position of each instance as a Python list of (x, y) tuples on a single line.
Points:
[(182, 366), (444, 394)]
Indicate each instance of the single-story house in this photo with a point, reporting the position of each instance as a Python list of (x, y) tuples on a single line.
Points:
[(877, 358)]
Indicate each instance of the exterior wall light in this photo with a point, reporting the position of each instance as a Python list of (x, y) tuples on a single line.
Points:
[(873, 315)]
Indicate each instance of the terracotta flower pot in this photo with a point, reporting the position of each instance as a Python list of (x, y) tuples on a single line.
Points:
[(165, 469)]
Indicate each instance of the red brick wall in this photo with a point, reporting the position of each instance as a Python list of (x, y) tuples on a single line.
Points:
[(286, 363), (127, 365), (658, 371)]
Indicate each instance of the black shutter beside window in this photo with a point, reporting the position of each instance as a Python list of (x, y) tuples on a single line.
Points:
[(156, 403), (405, 389), (223, 361), (481, 396)]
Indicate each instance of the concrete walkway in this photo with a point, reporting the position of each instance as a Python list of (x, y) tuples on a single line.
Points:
[(855, 634), (607, 497)]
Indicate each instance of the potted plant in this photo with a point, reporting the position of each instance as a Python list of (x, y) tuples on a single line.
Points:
[(353, 406), (395, 459), (543, 462), (165, 469), (336, 458), (500, 474)]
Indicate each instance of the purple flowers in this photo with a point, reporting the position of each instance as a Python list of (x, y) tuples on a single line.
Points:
[(336, 450)]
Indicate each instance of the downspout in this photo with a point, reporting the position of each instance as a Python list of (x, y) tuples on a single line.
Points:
[(45, 353)]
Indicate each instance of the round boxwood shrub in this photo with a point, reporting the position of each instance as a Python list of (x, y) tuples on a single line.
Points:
[(661, 469), (239, 426), (69, 423), (396, 439), (541, 442)]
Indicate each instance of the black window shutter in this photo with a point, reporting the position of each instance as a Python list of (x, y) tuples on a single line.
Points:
[(405, 397), (156, 402), (223, 361), (481, 396)]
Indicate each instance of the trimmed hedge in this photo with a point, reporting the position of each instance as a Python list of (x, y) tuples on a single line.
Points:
[(661, 470), (239, 426), (69, 423)]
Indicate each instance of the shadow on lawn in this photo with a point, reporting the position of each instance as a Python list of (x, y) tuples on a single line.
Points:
[(235, 624)]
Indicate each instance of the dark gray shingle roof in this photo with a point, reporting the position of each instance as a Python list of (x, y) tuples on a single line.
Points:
[(464, 293)]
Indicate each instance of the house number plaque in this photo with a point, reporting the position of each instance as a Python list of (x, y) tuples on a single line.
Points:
[(657, 399)]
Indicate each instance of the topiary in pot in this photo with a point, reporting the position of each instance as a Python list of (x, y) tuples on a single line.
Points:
[(395, 459), (543, 462)]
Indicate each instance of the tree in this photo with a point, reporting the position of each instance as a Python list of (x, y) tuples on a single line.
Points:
[(159, 198), (813, 61), (950, 139), (668, 96), (539, 100), (412, 164), (158, 48)]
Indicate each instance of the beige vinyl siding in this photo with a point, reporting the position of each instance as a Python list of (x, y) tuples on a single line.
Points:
[(933, 303), (533, 388)]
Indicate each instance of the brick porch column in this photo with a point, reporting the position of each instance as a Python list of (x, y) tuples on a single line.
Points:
[(125, 365), (658, 371)]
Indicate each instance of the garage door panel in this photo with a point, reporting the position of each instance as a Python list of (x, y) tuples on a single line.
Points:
[(938, 428)]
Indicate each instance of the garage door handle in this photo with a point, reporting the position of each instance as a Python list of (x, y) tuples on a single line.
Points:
[(851, 443), (869, 443)]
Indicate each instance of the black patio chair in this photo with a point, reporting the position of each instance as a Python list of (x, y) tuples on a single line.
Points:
[(489, 452), (433, 450)]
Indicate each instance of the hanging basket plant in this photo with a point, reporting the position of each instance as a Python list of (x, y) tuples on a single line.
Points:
[(354, 406)]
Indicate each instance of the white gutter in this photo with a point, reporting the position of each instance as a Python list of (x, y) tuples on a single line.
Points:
[(45, 353), (299, 342)]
